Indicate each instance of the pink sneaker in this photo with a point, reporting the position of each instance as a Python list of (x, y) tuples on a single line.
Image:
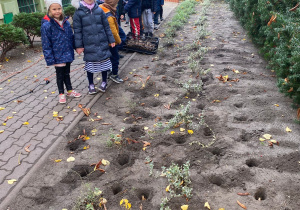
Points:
[(74, 94), (62, 98)]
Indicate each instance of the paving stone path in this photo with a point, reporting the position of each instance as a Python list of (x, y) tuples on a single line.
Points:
[(37, 109)]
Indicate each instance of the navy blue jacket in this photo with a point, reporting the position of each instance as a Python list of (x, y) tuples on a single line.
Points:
[(92, 32), (134, 8), (57, 41), (149, 4), (159, 3)]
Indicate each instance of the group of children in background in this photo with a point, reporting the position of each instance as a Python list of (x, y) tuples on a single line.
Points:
[(97, 34)]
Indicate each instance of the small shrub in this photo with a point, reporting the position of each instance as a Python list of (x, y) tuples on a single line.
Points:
[(69, 10), (31, 23), (10, 37)]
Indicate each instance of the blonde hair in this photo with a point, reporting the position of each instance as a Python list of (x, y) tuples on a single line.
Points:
[(61, 17)]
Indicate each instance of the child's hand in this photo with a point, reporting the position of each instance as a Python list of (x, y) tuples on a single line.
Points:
[(113, 44), (122, 16), (79, 50)]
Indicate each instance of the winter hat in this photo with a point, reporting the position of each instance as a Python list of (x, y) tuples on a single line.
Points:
[(49, 2), (76, 3)]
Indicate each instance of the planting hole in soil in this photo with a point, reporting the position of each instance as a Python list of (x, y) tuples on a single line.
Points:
[(123, 159), (74, 145), (214, 179), (207, 131), (241, 118), (180, 139), (200, 106), (143, 194), (83, 170), (238, 105), (217, 151), (134, 132), (46, 195), (252, 162), (116, 188), (260, 194)]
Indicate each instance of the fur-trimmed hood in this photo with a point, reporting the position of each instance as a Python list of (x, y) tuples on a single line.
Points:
[(75, 3)]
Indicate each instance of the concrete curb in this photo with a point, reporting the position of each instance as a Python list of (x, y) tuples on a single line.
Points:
[(13, 193)]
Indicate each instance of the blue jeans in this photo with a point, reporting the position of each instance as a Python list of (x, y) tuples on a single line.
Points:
[(114, 58)]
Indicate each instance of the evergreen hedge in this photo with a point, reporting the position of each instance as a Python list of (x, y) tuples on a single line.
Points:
[(274, 27)]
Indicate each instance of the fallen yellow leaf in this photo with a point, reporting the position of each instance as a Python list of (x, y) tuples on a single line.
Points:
[(262, 139), (221, 209), (288, 129), (207, 205), (2, 108), (1, 131), (58, 160), (29, 61), (276, 105), (146, 128), (156, 95), (172, 132), (52, 92), (55, 114), (182, 129), (190, 131), (184, 207), (26, 123), (168, 188), (34, 75), (74, 110), (105, 162), (267, 136), (71, 159), (273, 141), (11, 181)]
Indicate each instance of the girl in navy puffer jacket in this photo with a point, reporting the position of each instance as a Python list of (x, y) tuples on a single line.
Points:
[(58, 42), (93, 37)]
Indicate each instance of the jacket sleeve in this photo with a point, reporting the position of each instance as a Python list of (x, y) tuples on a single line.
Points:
[(114, 29), (47, 45), (107, 29), (129, 5), (153, 5), (162, 2), (77, 26)]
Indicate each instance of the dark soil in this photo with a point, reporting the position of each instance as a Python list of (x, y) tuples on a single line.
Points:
[(225, 154)]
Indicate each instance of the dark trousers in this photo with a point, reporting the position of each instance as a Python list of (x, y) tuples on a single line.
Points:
[(114, 58), (63, 77), (155, 18), (161, 12), (123, 38)]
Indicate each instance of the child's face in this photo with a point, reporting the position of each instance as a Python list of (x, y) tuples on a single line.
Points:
[(89, 1), (55, 10)]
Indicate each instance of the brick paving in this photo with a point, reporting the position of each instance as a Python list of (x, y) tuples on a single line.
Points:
[(37, 109)]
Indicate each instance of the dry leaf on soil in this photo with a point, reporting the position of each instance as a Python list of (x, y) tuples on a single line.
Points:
[(241, 205), (207, 205), (71, 159), (267, 136), (184, 207)]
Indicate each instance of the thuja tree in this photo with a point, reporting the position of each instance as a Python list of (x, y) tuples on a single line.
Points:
[(274, 27), (31, 23), (69, 10), (10, 37)]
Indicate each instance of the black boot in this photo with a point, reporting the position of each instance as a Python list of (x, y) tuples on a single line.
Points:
[(150, 34)]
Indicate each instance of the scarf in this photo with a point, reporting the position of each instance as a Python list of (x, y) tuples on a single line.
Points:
[(89, 6), (111, 5)]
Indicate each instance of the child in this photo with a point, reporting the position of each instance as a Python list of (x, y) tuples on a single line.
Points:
[(93, 36), (109, 7), (133, 7), (148, 7), (158, 12), (57, 42)]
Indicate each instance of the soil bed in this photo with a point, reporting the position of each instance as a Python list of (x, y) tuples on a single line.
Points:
[(224, 151)]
